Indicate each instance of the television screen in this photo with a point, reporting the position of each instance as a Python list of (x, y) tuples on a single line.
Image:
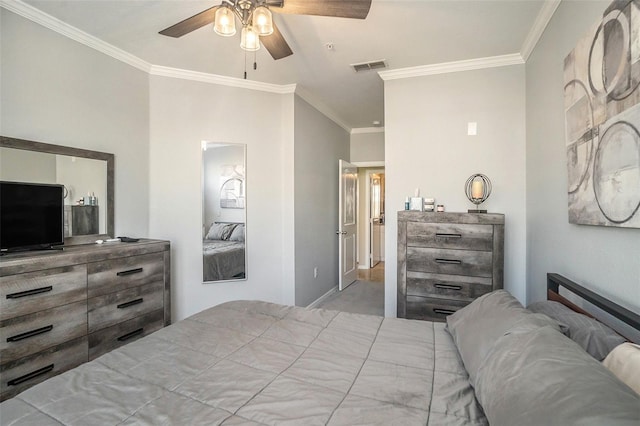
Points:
[(31, 215)]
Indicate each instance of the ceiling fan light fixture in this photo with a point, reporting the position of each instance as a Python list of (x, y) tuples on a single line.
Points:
[(250, 39), (225, 22), (262, 21)]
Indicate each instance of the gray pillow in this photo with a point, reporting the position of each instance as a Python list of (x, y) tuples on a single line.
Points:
[(476, 327), (594, 337), (220, 231), (238, 233), (539, 377)]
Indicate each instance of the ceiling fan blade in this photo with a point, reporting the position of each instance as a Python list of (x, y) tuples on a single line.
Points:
[(276, 44), (191, 24), (357, 9)]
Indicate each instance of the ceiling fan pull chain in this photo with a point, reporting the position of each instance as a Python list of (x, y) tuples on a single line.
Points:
[(255, 61), (245, 64)]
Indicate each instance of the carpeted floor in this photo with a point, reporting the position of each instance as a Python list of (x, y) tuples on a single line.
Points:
[(361, 297)]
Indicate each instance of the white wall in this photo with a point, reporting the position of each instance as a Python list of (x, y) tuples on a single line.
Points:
[(607, 260), (319, 144), (57, 91), (427, 147), (183, 114), (367, 146)]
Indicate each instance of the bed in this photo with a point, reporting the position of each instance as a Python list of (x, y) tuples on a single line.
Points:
[(223, 252), (252, 363)]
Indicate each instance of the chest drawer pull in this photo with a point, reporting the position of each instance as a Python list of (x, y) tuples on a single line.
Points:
[(130, 303), (129, 272), (29, 376), (443, 235), (128, 336), (449, 261), (28, 334), (448, 286), (29, 292), (443, 311)]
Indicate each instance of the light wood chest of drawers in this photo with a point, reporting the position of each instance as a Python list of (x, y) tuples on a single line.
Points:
[(446, 260), (61, 309)]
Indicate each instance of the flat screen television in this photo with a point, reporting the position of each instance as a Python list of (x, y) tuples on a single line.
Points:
[(31, 216)]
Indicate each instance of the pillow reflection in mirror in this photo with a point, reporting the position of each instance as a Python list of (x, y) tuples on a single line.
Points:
[(220, 231), (238, 233)]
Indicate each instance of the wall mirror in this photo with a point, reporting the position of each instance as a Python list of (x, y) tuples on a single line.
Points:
[(224, 254), (86, 175)]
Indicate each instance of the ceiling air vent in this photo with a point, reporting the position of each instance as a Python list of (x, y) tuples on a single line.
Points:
[(368, 66)]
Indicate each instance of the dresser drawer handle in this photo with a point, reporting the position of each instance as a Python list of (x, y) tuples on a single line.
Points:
[(129, 272), (448, 286), (128, 336), (28, 334), (449, 261), (443, 311), (32, 375), (29, 292), (130, 303), (448, 235)]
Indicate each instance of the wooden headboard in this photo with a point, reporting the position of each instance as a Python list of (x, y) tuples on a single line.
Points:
[(555, 281)]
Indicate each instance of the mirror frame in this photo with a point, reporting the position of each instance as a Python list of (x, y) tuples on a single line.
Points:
[(7, 142)]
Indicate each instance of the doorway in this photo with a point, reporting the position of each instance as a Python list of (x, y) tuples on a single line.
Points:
[(371, 195)]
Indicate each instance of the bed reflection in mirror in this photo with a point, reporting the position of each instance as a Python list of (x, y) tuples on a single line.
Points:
[(223, 212)]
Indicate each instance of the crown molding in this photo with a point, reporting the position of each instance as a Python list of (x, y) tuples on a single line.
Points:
[(321, 107), (542, 20), (367, 130), (221, 80), (449, 67), (31, 13)]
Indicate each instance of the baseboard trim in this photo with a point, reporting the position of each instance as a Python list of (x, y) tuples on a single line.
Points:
[(322, 298)]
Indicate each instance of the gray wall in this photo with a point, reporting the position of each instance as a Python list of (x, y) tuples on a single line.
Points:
[(183, 114), (607, 260), (319, 144), (367, 147), (427, 147), (58, 91)]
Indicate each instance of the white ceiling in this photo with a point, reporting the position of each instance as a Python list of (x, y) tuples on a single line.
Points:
[(406, 33)]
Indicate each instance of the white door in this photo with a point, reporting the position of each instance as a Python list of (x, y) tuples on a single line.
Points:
[(348, 222)]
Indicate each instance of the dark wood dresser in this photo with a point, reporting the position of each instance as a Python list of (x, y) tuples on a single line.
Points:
[(446, 260), (59, 309)]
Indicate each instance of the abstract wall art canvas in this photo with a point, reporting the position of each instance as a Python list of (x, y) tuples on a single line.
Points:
[(602, 119)]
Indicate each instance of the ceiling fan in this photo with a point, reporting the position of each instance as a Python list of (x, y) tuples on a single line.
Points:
[(256, 19)]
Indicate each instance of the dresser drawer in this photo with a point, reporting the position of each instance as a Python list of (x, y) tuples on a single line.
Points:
[(28, 334), (455, 262), (26, 372), (110, 338), (458, 287), (432, 309), (24, 294), (119, 274), (113, 308), (450, 236)]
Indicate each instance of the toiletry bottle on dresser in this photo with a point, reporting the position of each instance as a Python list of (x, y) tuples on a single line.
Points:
[(406, 203)]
